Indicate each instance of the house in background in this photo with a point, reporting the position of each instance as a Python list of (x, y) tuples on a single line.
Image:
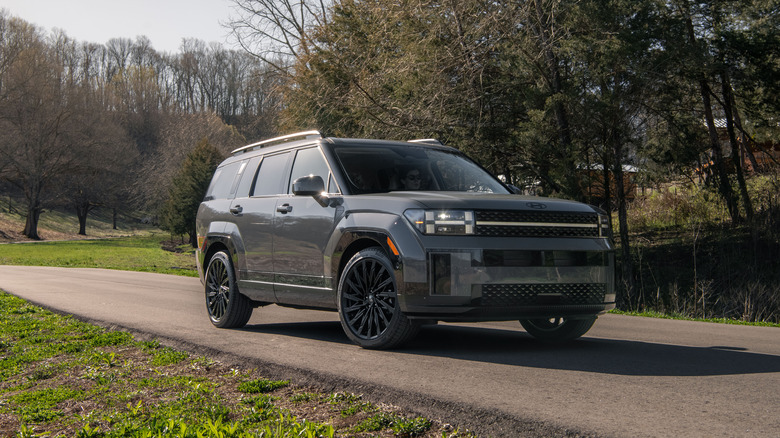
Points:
[(593, 186), (753, 156)]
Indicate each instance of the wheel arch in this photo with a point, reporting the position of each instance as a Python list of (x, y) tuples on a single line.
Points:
[(216, 244), (355, 241)]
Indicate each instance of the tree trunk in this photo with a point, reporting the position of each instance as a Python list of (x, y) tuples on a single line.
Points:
[(34, 209), (113, 217), (745, 140), (626, 262), (724, 185), (31, 224), (82, 209), (728, 101)]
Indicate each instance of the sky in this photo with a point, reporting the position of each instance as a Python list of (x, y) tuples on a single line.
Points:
[(164, 22)]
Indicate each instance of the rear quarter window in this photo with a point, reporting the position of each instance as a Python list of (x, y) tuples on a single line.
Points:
[(222, 181)]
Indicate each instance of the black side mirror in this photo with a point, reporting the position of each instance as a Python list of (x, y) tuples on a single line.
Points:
[(314, 186), (311, 185)]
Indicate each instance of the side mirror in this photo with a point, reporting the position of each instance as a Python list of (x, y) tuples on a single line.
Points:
[(311, 185), (314, 186)]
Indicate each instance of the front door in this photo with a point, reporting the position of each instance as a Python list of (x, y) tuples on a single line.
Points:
[(302, 230)]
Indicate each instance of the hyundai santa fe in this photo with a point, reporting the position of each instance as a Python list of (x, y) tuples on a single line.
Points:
[(393, 235)]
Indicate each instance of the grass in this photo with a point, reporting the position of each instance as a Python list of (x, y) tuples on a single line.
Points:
[(132, 247), (141, 253), (62, 225), (656, 314), (63, 377)]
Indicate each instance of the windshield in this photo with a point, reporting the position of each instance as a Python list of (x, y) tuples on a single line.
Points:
[(386, 168)]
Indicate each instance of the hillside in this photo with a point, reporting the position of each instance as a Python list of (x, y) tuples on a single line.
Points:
[(63, 225)]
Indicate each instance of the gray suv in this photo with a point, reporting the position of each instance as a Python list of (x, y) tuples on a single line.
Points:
[(394, 235)]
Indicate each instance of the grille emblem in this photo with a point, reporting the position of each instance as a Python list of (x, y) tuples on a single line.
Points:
[(536, 205)]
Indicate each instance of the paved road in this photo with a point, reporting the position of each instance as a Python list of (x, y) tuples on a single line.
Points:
[(628, 376)]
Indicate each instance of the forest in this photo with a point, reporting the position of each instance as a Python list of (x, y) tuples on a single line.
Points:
[(664, 112)]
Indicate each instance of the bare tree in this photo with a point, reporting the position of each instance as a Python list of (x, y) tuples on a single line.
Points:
[(34, 116), (179, 135), (277, 31)]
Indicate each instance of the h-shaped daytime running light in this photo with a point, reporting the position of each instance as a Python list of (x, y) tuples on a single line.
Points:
[(442, 222)]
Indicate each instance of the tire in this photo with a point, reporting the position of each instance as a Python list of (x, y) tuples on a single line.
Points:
[(368, 303), (226, 307), (557, 329)]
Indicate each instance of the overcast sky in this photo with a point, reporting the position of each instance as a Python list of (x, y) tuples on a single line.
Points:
[(164, 22)]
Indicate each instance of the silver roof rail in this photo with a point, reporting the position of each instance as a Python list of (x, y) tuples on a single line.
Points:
[(427, 141), (305, 135)]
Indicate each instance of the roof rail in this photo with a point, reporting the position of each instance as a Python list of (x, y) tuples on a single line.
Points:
[(427, 141), (304, 135)]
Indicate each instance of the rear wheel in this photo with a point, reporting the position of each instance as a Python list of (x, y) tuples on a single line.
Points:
[(226, 306), (557, 329), (368, 302)]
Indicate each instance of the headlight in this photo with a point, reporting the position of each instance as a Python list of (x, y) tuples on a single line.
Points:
[(604, 222), (442, 222), (604, 229)]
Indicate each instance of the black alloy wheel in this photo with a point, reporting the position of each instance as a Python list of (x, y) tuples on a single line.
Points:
[(227, 308), (368, 302), (557, 329)]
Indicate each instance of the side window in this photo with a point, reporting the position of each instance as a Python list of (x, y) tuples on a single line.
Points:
[(247, 178), (270, 176), (309, 162), (223, 182)]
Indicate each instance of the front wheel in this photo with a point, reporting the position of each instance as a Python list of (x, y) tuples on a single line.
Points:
[(557, 329), (226, 306), (368, 302)]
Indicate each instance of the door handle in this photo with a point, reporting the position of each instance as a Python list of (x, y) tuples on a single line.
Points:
[(284, 208), (237, 209)]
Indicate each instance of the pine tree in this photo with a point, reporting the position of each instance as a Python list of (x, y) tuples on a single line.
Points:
[(188, 189)]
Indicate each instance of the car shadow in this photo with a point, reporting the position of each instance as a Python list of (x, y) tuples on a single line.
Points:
[(326, 331), (517, 348)]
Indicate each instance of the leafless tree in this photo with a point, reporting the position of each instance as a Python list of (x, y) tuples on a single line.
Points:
[(34, 116), (180, 134), (277, 31)]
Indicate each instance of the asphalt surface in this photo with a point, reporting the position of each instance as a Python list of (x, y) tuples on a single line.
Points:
[(628, 376)]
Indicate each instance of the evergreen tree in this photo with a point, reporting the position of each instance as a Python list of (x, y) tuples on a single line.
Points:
[(188, 189)]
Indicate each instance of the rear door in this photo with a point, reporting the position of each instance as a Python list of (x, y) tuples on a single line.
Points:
[(255, 217)]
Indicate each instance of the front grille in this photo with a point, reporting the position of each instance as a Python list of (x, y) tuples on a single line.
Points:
[(511, 223), (532, 231), (515, 295)]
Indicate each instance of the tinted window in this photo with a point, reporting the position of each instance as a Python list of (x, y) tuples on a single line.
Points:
[(383, 168), (309, 162), (222, 182), (247, 178), (271, 175)]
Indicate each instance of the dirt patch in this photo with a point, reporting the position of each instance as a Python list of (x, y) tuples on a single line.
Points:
[(177, 245)]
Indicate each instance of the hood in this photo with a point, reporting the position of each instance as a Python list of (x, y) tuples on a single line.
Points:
[(484, 201)]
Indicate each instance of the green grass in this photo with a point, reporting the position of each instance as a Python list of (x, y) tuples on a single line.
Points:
[(140, 253), (261, 386), (655, 314), (112, 385)]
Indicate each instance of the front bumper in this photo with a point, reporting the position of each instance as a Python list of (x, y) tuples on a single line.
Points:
[(507, 283)]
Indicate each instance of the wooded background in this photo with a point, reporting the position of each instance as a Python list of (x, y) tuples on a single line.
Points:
[(599, 101)]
